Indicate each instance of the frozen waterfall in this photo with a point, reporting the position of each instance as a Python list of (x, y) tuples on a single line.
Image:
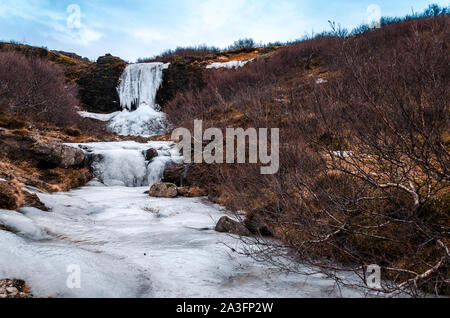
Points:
[(141, 116), (139, 84), (124, 163), (137, 90)]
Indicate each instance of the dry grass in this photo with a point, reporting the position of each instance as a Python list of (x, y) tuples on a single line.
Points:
[(386, 97)]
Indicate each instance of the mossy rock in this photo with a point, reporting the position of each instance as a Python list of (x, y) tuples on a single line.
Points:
[(164, 190)]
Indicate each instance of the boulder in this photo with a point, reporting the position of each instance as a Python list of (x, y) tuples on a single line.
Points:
[(98, 85), (150, 154), (164, 190), (10, 196), (33, 201), (175, 173), (258, 225), (227, 225), (58, 155)]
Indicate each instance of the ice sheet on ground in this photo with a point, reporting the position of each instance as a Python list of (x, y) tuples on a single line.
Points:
[(101, 117), (130, 245)]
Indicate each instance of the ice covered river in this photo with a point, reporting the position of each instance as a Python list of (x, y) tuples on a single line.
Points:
[(120, 242), (128, 244)]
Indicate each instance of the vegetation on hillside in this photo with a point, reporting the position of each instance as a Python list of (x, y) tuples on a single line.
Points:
[(35, 90), (364, 177)]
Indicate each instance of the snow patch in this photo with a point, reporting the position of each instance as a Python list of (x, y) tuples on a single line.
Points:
[(100, 117), (125, 249), (228, 65)]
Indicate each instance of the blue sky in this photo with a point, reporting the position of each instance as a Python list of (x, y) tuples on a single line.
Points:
[(143, 28)]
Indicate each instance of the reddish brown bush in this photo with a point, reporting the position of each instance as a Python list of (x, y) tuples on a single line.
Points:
[(364, 173), (170, 55), (35, 89)]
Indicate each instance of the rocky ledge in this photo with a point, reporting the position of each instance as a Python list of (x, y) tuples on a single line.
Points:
[(13, 288)]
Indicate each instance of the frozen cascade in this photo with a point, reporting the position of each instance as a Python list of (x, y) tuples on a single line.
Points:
[(141, 116), (139, 84), (124, 164)]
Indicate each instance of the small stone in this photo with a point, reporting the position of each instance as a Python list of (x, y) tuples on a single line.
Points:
[(227, 225), (164, 190), (151, 154), (12, 290)]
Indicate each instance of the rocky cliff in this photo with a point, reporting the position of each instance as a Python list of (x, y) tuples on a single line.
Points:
[(97, 81), (98, 85)]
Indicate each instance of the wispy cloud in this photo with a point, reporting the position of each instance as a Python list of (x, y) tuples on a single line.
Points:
[(53, 23), (146, 34), (137, 28)]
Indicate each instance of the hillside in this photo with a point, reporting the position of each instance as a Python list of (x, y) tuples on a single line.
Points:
[(364, 158)]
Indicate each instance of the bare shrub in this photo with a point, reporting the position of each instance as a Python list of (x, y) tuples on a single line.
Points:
[(192, 51), (364, 173), (35, 89), (368, 183)]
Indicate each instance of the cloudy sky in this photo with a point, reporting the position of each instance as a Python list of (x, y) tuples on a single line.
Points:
[(143, 28)]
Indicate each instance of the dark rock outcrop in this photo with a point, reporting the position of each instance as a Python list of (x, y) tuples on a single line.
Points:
[(164, 190), (38, 161), (258, 225), (182, 75), (53, 155), (227, 225), (150, 154), (10, 196), (98, 85), (32, 200), (176, 173)]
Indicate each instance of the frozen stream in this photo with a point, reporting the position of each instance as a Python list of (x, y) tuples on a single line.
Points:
[(122, 242), (127, 244)]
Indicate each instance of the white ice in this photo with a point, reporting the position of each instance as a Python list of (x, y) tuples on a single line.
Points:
[(141, 116), (124, 163), (128, 244), (101, 117), (228, 65), (139, 84), (144, 121)]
